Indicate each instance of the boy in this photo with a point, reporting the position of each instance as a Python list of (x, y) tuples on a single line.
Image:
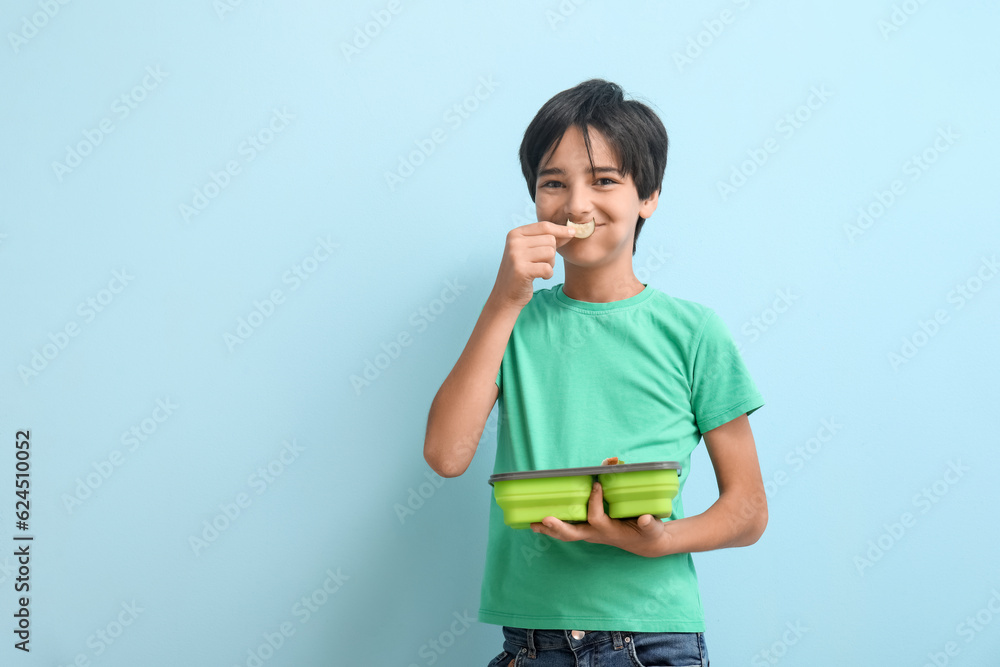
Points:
[(598, 366)]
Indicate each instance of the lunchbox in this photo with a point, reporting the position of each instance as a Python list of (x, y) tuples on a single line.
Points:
[(630, 490)]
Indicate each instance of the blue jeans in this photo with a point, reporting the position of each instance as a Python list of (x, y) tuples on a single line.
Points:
[(558, 648)]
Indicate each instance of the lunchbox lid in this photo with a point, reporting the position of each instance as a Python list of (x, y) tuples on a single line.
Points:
[(586, 470)]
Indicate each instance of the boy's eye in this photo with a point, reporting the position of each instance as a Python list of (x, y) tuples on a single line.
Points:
[(551, 184), (606, 181)]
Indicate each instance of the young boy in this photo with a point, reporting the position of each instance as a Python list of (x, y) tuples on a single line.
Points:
[(598, 366)]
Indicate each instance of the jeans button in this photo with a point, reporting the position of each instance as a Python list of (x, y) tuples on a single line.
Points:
[(578, 634)]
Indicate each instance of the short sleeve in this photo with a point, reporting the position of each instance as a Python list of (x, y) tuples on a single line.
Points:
[(721, 386)]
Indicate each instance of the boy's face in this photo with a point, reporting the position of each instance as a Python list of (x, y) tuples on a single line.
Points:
[(567, 189)]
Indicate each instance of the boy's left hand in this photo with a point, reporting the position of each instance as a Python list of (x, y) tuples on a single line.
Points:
[(644, 536)]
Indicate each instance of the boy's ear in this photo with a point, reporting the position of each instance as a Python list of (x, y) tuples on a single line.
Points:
[(649, 205)]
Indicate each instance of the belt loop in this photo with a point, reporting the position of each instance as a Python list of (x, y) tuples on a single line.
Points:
[(617, 637), (531, 644)]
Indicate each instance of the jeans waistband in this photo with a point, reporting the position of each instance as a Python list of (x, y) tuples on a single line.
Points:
[(535, 640)]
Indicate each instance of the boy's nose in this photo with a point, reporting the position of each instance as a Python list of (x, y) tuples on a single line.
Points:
[(579, 206)]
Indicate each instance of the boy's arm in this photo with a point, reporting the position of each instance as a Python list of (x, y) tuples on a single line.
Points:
[(739, 516), (736, 519), (463, 403)]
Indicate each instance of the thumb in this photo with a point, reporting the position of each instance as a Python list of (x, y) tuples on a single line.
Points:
[(564, 235), (646, 522)]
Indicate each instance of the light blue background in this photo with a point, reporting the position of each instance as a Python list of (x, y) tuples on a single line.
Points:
[(337, 506)]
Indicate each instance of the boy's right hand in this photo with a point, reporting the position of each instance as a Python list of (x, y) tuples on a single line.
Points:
[(530, 253)]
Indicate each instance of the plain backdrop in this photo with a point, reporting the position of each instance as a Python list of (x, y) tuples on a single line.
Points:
[(243, 243)]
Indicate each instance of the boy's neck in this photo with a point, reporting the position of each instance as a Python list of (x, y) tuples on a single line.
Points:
[(600, 284)]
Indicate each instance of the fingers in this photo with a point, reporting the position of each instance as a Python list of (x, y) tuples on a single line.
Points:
[(533, 256), (560, 530), (537, 244), (595, 506), (562, 233), (545, 229), (540, 265), (541, 253), (529, 253)]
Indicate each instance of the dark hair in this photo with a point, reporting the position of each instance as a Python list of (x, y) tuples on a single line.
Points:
[(633, 130)]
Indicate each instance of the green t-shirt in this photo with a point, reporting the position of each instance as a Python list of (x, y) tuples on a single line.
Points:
[(641, 379)]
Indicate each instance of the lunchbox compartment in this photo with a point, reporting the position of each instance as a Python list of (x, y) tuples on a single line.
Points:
[(630, 490)]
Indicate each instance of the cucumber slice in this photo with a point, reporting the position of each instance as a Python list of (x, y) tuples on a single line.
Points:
[(582, 229)]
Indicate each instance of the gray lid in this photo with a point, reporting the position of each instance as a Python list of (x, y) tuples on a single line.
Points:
[(587, 470)]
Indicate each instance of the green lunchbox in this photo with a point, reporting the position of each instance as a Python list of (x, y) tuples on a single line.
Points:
[(631, 490)]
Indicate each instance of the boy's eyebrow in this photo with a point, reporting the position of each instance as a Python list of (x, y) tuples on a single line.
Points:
[(555, 171)]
